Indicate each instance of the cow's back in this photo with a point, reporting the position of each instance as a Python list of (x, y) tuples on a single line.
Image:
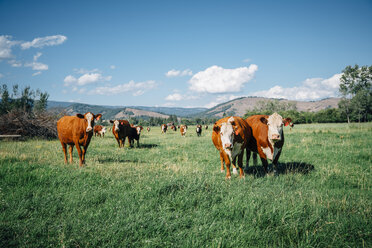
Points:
[(259, 132)]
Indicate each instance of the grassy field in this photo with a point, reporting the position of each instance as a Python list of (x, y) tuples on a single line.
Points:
[(170, 193)]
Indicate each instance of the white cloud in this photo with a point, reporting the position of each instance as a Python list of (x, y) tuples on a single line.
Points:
[(6, 46), (37, 66), (176, 73), (87, 78), (112, 67), (136, 88), (247, 60), (15, 63), (174, 97), (216, 79), (44, 41), (36, 73), (85, 71), (310, 89)]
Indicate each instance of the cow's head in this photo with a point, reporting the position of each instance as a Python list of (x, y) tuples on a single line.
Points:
[(116, 126), (104, 130), (275, 126), (89, 117), (227, 130), (138, 129)]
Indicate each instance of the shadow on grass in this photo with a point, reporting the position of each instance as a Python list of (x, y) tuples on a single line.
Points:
[(116, 160), (283, 168), (145, 146)]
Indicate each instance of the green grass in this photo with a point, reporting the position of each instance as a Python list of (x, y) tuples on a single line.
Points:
[(170, 193)]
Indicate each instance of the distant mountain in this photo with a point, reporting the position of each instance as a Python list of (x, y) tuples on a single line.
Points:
[(121, 112), (240, 106)]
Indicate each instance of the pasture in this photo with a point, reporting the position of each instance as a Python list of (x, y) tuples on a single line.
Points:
[(170, 193)]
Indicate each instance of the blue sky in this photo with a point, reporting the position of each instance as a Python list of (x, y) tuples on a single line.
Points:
[(182, 53)]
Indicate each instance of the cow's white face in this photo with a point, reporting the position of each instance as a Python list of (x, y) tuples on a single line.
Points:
[(104, 130), (275, 127), (138, 130), (227, 136), (116, 125), (90, 119), (198, 129)]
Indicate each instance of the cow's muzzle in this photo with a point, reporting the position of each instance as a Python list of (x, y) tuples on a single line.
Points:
[(89, 129), (228, 146)]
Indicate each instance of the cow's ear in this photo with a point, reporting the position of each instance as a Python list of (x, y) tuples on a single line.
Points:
[(287, 121), (263, 120), (98, 117), (122, 123), (80, 116), (111, 121), (216, 128), (236, 132)]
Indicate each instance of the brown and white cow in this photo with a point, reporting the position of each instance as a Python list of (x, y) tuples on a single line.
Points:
[(174, 128), (267, 138), (206, 127), (164, 128), (120, 130), (230, 136), (183, 130), (76, 131), (198, 130), (99, 130), (148, 129)]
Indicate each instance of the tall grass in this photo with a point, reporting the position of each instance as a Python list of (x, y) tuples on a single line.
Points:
[(170, 193)]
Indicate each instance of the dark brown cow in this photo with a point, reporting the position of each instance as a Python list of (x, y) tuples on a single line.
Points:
[(120, 129), (267, 139), (174, 128), (206, 127), (76, 131), (164, 128), (99, 130), (230, 136), (198, 130), (134, 134), (183, 130)]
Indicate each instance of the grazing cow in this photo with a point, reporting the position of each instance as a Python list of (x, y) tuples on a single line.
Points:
[(120, 129), (198, 130), (183, 129), (230, 136), (148, 129), (76, 131), (164, 128), (267, 138), (174, 128), (134, 134), (206, 127), (99, 130)]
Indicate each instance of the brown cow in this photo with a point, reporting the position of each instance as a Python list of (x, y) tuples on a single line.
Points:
[(267, 139), (164, 128), (99, 130), (134, 134), (120, 129), (206, 127), (183, 130), (230, 136), (198, 130), (76, 131), (148, 129)]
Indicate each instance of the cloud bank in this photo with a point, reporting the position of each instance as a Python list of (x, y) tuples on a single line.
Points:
[(44, 41), (136, 89), (216, 79), (176, 73)]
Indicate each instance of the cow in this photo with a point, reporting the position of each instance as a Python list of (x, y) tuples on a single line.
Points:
[(206, 127), (164, 128), (198, 130), (183, 129), (230, 137), (174, 128), (99, 130), (76, 131), (120, 130), (148, 129), (267, 139), (134, 134)]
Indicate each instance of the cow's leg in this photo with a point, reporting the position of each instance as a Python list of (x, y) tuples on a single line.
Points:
[(240, 164), (221, 158), (84, 151), (248, 155), (80, 154), (235, 171), (123, 143), (264, 164), (138, 143), (227, 163), (275, 163), (255, 159), (70, 149), (64, 151)]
